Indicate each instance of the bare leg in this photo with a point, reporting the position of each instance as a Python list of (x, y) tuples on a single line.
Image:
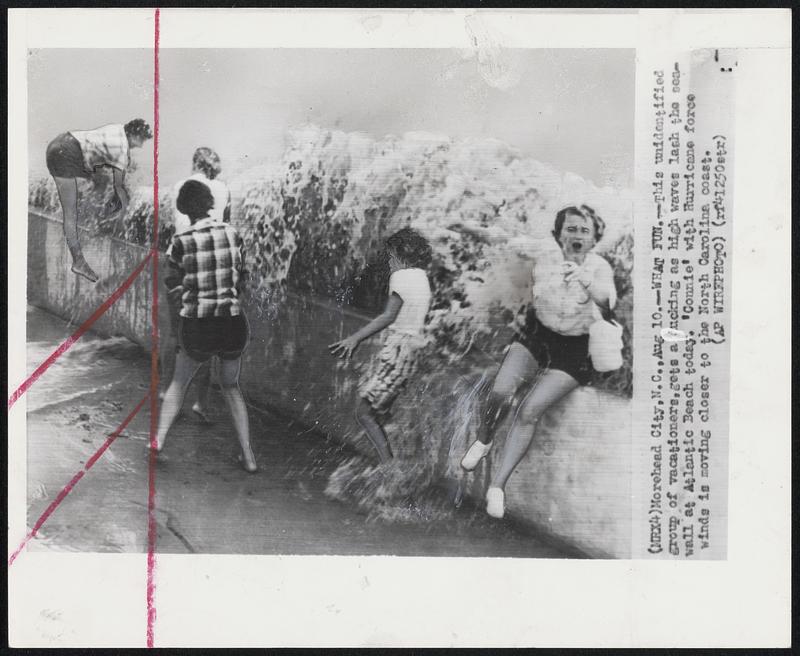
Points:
[(552, 386), (517, 368), (185, 369), (203, 385), (365, 416), (229, 381), (68, 196), (167, 353), (168, 343)]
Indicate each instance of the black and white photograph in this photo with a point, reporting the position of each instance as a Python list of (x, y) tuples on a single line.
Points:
[(424, 307), (380, 343)]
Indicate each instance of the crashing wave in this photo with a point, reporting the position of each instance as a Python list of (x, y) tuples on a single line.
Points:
[(316, 220)]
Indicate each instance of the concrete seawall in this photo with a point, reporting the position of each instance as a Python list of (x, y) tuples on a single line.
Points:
[(574, 483)]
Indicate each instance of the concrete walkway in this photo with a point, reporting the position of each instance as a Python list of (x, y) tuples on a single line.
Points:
[(206, 502)]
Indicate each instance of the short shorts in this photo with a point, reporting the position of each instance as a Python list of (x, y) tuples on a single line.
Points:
[(225, 337), (389, 369), (65, 158), (552, 350)]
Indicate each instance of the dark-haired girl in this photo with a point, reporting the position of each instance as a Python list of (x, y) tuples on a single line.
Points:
[(77, 154), (409, 255), (207, 263), (568, 290)]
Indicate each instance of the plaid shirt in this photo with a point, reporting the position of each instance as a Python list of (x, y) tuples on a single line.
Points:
[(105, 146), (208, 262)]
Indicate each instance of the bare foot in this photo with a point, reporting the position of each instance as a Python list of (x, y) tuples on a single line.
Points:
[(82, 268), (200, 411), (248, 462)]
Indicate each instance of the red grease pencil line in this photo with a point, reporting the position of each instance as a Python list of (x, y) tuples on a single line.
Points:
[(69, 486), (152, 531), (77, 334)]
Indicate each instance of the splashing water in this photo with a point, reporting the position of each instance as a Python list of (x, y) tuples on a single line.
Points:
[(462, 416), (406, 490), (85, 359), (399, 491)]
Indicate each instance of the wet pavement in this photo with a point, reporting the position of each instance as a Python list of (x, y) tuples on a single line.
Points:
[(206, 503)]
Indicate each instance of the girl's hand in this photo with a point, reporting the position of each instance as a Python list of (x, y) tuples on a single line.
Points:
[(116, 208), (113, 206), (568, 269), (573, 272), (175, 294), (345, 348)]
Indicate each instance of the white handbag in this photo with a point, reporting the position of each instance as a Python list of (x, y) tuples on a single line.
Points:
[(605, 343)]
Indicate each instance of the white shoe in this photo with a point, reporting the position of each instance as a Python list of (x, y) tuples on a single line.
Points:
[(476, 452), (495, 502)]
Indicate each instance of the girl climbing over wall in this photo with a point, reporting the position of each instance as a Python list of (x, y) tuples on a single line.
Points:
[(77, 154), (569, 290), (207, 263), (403, 319)]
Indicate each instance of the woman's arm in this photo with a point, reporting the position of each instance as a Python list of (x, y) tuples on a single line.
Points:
[(174, 278), (599, 284), (383, 320), (348, 345), (244, 274), (226, 213), (119, 188)]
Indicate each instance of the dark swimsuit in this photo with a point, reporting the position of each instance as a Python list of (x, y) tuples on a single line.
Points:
[(552, 350), (225, 337), (65, 158)]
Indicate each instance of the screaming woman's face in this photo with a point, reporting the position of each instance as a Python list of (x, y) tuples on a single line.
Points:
[(577, 235)]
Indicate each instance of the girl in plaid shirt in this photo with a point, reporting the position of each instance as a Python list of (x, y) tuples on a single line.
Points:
[(207, 268), (206, 168)]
